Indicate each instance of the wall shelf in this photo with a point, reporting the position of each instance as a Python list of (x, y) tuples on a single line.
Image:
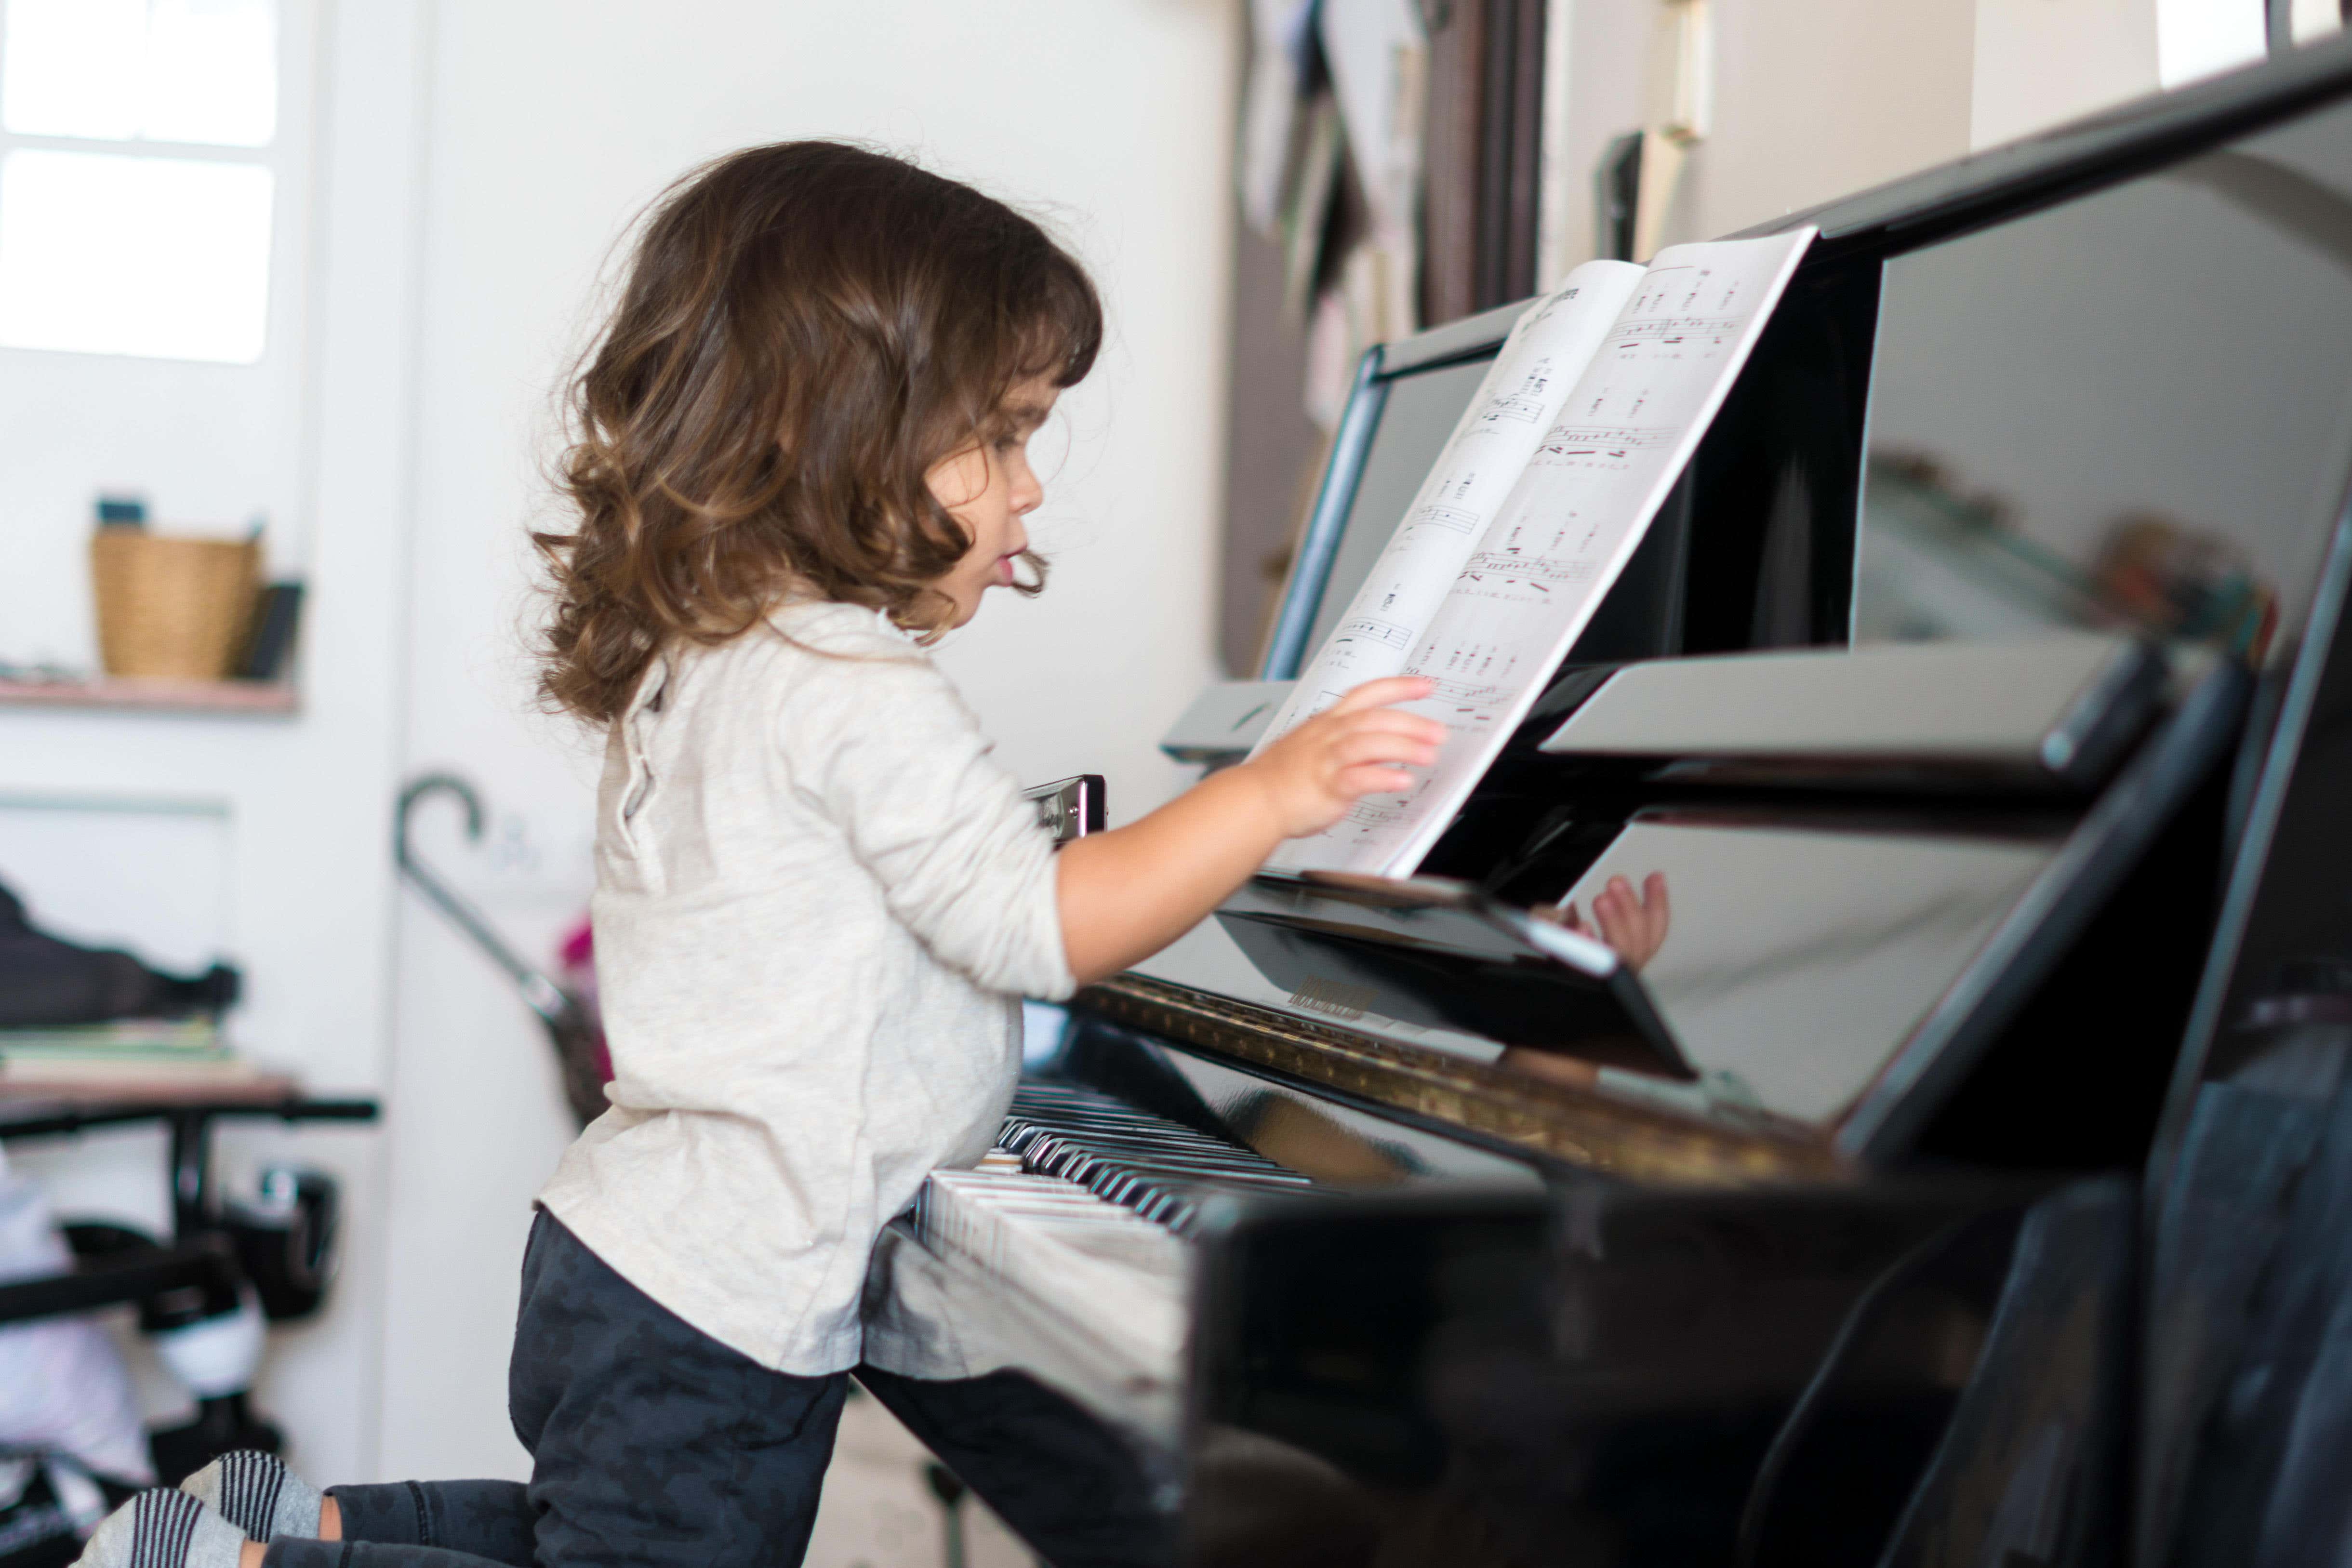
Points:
[(261, 699)]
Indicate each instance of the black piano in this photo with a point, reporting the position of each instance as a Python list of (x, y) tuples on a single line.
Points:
[(1967, 1180)]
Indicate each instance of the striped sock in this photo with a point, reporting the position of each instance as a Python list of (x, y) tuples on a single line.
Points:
[(258, 1494), (161, 1528)]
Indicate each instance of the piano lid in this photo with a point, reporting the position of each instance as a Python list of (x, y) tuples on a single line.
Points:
[(2128, 411), (2054, 712)]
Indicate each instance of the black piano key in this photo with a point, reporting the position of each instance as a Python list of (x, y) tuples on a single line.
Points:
[(1158, 1169), (1119, 1119), (1175, 1158), (1173, 1162)]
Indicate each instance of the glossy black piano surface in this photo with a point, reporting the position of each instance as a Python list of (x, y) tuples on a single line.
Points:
[(1868, 1288)]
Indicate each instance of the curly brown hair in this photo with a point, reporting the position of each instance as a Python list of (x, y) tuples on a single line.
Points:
[(806, 329)]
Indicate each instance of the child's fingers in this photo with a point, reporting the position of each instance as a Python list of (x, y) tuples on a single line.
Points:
[(1380, 693), (1634, 923), (1390, 721), (1612, 907), (1654, 912), (1388, 745), (1372, 778), (1397, 738), (1644, 926), (1395, 750)]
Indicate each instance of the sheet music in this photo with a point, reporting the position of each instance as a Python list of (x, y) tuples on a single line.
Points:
[(1515, 402), (1571, 522)]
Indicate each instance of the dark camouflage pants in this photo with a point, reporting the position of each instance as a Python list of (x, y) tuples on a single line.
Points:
[(653, 1444)]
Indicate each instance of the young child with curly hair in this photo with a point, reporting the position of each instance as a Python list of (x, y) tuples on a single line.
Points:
[(799, 455)]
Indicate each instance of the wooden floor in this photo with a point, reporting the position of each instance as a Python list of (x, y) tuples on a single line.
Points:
[(879, 1511)]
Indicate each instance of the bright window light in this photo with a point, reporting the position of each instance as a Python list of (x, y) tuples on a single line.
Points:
[(212, 71), (161, 258), (71, 67), (166, 70)]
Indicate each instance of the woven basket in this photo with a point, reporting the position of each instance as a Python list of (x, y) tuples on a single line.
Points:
[(173, 609)]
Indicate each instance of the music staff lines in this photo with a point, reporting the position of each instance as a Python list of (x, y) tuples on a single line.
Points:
[(1601, 440), (1454, 519), (1487, 574), (1362, 630), (1668, 331)]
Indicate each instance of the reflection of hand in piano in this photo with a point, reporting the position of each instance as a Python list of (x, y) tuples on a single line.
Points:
[(1634, 923)]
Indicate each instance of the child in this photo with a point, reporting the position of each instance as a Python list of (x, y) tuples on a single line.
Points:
[(799, 456)]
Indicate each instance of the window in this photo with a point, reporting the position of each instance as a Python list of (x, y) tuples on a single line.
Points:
[(138, 188)]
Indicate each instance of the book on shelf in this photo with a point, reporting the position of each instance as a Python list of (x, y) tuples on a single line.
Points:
[(129, 1051), (1589, 413), (168, 1034), (104, 1071)]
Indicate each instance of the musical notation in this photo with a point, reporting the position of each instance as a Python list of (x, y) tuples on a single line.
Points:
[(1528, 410), (1521, 396), (1468, 681), (1526, 588), (1691, 290), (1364, 629), (1540, 572), (1676, 332), (1528, 401), (1567, 442), (1461, 520)]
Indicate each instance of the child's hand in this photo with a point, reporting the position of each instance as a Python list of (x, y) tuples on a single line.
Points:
[(1127, 893), (1635, 924), (1356, 747)]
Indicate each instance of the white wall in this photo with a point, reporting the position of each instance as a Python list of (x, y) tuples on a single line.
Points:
[(2040, 62), (1819, 102), (549, 123), (1815, 100)]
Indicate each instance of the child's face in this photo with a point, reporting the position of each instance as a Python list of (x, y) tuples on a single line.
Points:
[(988, 488)]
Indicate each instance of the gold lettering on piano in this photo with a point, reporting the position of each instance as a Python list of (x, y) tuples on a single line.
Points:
[(1333, 998)]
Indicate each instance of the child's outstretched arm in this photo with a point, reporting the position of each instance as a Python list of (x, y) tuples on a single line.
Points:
[(1125, 894)]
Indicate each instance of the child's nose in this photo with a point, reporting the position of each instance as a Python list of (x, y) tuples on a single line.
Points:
[(1028, 495)]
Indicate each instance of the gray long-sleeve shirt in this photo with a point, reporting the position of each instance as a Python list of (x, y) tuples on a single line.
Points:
[(818, 901)]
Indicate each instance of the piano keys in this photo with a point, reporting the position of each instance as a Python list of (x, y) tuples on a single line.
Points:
[(1157, 1167)]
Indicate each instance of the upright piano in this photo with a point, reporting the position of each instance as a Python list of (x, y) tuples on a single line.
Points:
[(1959, 677)]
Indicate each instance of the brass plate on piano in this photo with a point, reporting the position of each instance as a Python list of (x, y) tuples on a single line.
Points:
[(1580, 1127)]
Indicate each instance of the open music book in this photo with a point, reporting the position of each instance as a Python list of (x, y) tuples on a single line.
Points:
[(1572, 441)]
